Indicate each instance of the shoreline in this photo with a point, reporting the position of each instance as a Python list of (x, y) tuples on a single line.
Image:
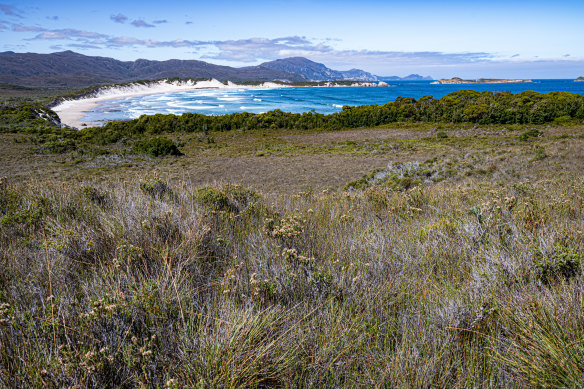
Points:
[(71, 112)]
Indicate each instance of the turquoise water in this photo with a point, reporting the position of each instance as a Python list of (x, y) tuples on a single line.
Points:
[(321, 99)]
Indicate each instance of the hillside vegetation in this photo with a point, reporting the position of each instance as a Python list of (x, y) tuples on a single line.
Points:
[(411, 254)]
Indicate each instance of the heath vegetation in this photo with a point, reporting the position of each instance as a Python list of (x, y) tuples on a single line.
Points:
[(413, 254)]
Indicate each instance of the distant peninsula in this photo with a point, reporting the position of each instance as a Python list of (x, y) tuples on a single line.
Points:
[(579, 79), (458, 80)]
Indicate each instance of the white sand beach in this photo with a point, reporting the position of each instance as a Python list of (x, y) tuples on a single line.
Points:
[(71, 112)]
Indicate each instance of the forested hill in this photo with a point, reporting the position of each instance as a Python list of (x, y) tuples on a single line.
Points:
[(76, 70)]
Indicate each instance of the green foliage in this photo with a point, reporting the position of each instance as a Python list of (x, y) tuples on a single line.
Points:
[(213, 198), (539, 153), (441, 135), (58, 146), (562, 263), (241, 196), (363, 182), (563, 119), (533, 133), (17, 212), (155, 187), (156, 147)]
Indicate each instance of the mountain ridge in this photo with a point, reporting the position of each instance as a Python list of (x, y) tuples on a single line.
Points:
[(75, 70), (314, 71), (71, 69)]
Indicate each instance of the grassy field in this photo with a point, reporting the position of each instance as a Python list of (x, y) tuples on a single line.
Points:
[(410, 255)]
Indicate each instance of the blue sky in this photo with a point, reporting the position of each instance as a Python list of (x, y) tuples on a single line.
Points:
[(531, 39)]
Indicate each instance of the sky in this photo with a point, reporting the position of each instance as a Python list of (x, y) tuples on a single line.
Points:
[(469, 39)]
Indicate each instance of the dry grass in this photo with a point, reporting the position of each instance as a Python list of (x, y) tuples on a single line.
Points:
[(113, 285), (134, 276)]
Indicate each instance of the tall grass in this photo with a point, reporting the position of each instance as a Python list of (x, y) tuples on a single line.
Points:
[(143, 283)]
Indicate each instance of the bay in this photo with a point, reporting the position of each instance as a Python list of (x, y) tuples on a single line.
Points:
[(296, 99)]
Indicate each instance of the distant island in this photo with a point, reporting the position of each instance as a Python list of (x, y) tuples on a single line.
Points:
[(458, 80), (579, 79), (411, 77)]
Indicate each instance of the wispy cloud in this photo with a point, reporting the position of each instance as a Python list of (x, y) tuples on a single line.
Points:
[(141, 23), (254, 49), (160, 21), (119, 18), (53, 17), (3, 27), (10, 10), (68, 33), (21, 28), (259, 49), (123, 41)]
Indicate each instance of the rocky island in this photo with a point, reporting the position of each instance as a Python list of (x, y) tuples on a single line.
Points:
[(579, 79), (458, 80)]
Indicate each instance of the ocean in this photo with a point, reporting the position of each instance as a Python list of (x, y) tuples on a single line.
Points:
[(296, 99)]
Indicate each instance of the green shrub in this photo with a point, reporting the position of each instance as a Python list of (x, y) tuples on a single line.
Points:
[(20, 213), (363, 182), (240, 195), (563, 119), (213, 198), (155, 187), (533, 133), (156, 147), (539, 153), (442, 135), (563, 263)]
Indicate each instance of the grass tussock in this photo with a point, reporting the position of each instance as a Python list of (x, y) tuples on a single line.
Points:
[(151, 284)]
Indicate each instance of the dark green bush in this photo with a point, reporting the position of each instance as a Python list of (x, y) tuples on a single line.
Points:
[(156, 147), (441, 135)]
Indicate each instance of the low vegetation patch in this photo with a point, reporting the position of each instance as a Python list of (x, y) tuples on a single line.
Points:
[(406, 175)]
